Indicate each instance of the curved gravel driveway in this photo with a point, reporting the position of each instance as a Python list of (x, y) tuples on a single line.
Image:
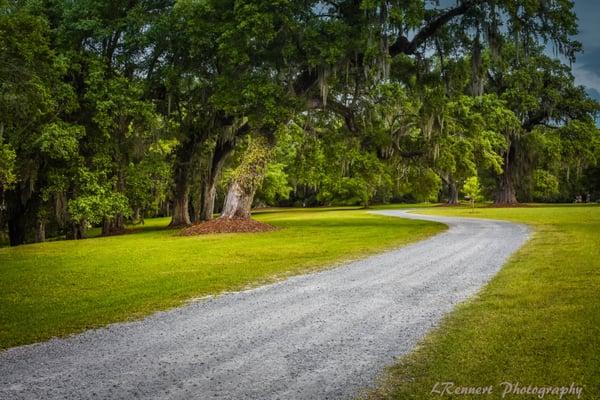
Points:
[(325, 335)]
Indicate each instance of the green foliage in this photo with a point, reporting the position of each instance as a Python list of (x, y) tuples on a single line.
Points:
[(253, 165), (472, 189), (7, 166), (414, 183), (275, 185), (60, 141), (374, 105), (96, 199), (546, 185), (149, 180)]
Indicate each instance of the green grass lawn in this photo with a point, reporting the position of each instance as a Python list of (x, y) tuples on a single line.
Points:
[(62, 287), (536, 323)]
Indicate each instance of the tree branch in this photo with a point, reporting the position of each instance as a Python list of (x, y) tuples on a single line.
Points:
[(404, 46)]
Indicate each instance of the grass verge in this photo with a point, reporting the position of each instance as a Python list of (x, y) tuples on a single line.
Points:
[(58, 288), (536, 323)]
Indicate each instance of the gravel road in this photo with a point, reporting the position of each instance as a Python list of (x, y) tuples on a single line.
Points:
[(325, 335)]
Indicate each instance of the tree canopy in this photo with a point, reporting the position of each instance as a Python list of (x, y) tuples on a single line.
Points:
[(115, 111)]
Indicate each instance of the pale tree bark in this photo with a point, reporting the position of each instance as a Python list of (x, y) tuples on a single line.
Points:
[(40, 231), (238, 202)]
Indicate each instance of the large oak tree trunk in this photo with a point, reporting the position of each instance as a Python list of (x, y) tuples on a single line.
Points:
[(40, 231), (209, 193), (16, 229), (181, 212), (506, 193), (452, 193), (75, 231), (181, 191), (208, 201), (238, 202), (18, 207)]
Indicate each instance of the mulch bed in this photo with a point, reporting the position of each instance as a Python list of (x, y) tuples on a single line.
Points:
[(226, 225)]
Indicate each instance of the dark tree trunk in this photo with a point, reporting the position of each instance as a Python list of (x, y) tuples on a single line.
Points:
[(119, 223), (506, 193), (452, 193), (209, 192), (181, 192), (111, 226), (17, 216), (106, 226), (181, 212), (16, 229), (75, 231)]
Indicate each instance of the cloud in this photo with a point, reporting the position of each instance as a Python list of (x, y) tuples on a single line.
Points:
[(585, 77), (593, 93), (588, 14), (590, 60)]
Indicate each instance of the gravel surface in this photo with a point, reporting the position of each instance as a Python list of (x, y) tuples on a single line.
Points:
[(325, 335)]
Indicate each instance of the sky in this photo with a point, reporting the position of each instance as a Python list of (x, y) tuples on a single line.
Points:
[(587, 67)]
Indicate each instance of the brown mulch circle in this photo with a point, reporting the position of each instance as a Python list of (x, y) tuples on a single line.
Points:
[(226, 225)]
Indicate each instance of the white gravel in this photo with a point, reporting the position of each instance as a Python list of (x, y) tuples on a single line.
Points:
[(325, 335)]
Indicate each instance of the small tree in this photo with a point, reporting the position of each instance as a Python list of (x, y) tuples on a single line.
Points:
[(472, 190)]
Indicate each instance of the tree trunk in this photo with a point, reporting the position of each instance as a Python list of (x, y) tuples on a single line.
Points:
[(181, 192), (119, 223), (106, 226), (238, 202), (247, 178), (506, 193), (16, 229), (452, 193), (40, 231), (181, 212), (16, 211), (75, 231), (209, 192), (208, 201)]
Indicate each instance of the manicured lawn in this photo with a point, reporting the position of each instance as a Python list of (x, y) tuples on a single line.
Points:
[(536, 323), (63, 287)]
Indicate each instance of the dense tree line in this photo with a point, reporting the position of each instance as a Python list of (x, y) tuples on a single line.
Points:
[(119, 110)]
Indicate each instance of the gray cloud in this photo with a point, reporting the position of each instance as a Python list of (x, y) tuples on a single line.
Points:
[(587, 68), (593, 93)]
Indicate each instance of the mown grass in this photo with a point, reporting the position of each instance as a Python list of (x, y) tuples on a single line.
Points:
[(536, 323), (63, 287)]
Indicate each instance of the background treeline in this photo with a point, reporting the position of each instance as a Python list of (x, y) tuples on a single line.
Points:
[(112, 111)]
